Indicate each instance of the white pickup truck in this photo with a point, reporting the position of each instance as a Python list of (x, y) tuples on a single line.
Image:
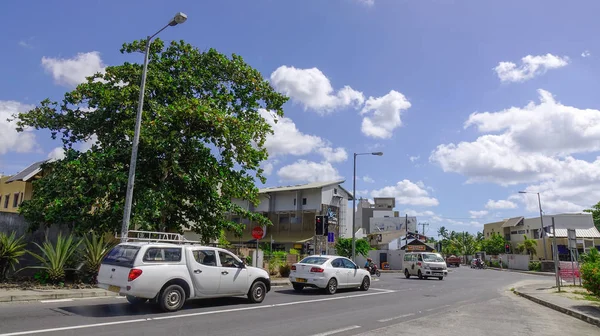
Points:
[(170, 274)]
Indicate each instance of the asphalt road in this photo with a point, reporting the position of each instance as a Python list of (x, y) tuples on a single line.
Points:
[(468, 302)]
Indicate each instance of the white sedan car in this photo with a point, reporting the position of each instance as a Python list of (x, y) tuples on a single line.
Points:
[(328, 273)]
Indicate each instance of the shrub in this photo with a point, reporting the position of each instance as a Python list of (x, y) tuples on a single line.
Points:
[(11, 249), (535, 266), (294, 251), (54, 257), (590, 272), (94, 250), (284, 271)]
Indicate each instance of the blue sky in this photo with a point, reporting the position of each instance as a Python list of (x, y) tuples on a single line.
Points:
[(425, 67)]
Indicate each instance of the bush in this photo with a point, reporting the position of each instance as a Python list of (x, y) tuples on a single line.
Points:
[(294, 251), (590, 272), (11, 249), (284, 271), (54, 257), (535, 266)]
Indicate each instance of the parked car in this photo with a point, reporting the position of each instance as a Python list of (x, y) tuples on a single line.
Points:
[(453, 260), (170, 274), (424, 265), (328, 273)]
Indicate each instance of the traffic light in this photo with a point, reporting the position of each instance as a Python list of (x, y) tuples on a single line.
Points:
[(507, 248), (319, 225), (325, 225)]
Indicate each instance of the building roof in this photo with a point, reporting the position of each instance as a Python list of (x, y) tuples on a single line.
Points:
[(314, 185), (512, 222), (27, 173), (579, 233)]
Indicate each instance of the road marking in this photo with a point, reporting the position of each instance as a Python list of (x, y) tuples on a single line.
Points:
[(337, 331), (95, 325), (395, 317), (384, 290), (56, 300), (432, 309)]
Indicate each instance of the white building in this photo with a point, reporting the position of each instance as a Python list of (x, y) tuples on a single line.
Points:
[(292, 210), (380, 216)]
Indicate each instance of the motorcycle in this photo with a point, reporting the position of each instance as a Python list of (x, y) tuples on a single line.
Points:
[(374, 270)]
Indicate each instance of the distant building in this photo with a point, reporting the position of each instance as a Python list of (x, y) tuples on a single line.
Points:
[(292, 210), (380, 216), (18, 188)]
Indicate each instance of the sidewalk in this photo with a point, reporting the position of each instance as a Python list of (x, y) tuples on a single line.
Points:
[(567, 301), (525, 272), (11, 295)]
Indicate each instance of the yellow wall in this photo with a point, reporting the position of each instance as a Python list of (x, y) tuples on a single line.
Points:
[(23, 189), (490, 228)]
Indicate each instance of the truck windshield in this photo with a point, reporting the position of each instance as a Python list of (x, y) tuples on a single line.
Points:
[(432, 258), (122, 255)]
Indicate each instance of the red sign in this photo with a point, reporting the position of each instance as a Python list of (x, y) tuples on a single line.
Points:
[(567, 270), (258, 232)]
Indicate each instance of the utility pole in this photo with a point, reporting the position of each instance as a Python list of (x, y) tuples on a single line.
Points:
[(423, 225), (555, 254)]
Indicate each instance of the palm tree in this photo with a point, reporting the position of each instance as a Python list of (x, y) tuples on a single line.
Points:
[(443, 232), (528, 246)]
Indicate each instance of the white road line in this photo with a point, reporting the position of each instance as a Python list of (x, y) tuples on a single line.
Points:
[(56, 300), (395, 318), (337, 331), (384, 290), (95, 325), (432, 309)]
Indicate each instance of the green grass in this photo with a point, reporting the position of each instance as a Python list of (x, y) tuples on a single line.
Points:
[(587, 296)]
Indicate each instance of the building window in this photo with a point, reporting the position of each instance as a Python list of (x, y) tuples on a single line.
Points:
[(21, 199), (294, 201), (304, 201), (6, 198), (335, 191), (521, 231), (15, 200)]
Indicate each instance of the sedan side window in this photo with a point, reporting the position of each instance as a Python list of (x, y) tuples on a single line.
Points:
[(349, 264), (205, 257), (338, 263)]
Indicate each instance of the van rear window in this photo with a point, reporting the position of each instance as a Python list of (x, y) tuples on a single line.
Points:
[(122, 255)]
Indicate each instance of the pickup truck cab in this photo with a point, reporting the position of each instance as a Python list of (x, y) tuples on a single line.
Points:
[(169, 274)]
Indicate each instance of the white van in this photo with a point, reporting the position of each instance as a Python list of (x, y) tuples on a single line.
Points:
[(424, 265)]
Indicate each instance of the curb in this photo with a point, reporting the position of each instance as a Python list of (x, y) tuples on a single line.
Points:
[(280, 283), (583, 317), (524, 272), (52, 296)]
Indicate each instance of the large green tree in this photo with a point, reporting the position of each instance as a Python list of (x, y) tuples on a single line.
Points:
[(201, 145), (343, 247), (595, 211), (494, 245)]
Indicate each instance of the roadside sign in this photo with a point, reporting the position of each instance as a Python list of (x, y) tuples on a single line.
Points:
[(568, 270), (330, 237), (415, 248), (572, 235), (258, 232)]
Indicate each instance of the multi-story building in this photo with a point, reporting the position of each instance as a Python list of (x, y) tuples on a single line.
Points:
[(516, 229), (380, 216), (293, 209), (17, 188)]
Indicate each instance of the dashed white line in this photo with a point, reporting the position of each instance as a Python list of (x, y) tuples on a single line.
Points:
[(395, 318), (336, 331)]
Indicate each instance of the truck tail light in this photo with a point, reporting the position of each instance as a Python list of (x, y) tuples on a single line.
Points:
[(293, 267), (316, 270), (134, 274), (419, 263)]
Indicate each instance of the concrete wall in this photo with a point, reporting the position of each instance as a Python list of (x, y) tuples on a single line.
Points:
[(394, 258), (516, 261)]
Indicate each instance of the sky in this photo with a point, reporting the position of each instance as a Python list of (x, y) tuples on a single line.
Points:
[(470, 101)]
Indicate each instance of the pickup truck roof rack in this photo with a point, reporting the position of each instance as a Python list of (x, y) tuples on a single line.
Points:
[(156, 237)]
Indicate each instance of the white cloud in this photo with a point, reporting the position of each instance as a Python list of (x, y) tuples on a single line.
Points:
[(531, 66), (414, 158), (287, 139), (383, 114), (367, 2), (10, 139), (407, 192), (308, 171), (333, 154), (73, 71), (314, 90), (531, 146), (500, 204), (57, 153), (586, 54), (478, 214), (87, 144), (268, 167), (368, 179)]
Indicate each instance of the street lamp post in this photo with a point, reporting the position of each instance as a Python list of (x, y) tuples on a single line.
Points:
[(179, 18), (354, 202), (541, 221)]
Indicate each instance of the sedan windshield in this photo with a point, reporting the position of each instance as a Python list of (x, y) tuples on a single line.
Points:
[(313, 260), (432, 258)]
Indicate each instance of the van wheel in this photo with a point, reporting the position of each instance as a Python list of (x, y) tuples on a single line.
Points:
[(420, 275), (366, 283), (257, 292), (406, 273), (171, 298), (298, 287), (136, 301), (331, 286)]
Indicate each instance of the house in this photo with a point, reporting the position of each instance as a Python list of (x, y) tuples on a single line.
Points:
[(515, 229), (17, 188), (293, 210), (380, 216)]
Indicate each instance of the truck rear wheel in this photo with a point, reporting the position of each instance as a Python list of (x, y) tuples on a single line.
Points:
[(172, 298)]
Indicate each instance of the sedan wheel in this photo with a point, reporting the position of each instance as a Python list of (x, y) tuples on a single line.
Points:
[(332, 286), (366, 283)]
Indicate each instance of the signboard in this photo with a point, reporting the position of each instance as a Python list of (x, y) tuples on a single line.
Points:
[(415, 248), (258, 232), (332, 214), (330, 237), (566, 270), (571, 234)]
